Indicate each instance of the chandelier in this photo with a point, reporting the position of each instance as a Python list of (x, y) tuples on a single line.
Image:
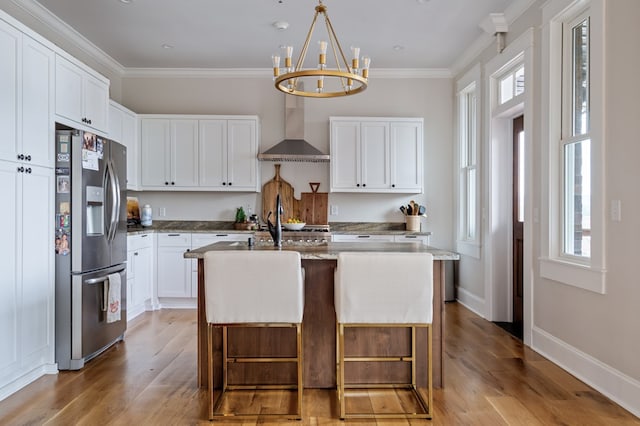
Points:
[(346, 79)]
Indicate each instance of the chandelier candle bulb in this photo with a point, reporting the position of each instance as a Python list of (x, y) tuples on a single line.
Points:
[(354, 62), (276, 66), (287, 59), (320, 84), (366, 62), (322, 62)]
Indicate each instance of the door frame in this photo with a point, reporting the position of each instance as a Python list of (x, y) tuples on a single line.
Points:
[(497, 192)]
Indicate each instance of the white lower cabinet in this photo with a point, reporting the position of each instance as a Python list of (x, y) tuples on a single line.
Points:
[(174, 271), (362, 238), (140, 275), (408, 238), (27, 286)]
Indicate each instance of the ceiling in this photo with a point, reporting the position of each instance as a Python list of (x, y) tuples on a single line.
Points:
[(219, 34)]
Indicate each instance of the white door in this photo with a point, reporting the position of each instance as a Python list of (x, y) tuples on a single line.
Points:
[(174, 272), (212, 153), (155, 149), (375, 155), (38, 288), (184, 153), (9, 84), (38, 64), (242, 155), (345, 155), (406, 155)]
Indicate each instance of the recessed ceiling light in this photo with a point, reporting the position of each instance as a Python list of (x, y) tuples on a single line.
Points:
[(421, 1), (281, 25), (398, 48), (167, 46), (126, 1)]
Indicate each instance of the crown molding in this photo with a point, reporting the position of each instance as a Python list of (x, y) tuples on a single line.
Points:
[(268, 73), (43, 15)]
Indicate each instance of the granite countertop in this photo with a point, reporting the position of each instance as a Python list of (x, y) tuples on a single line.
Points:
[(327, 251), (195, 226)]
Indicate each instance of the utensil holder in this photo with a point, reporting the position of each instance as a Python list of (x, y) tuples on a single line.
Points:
[(412, 223)]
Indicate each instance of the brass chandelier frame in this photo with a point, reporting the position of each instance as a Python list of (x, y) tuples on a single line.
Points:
[(350, 81)]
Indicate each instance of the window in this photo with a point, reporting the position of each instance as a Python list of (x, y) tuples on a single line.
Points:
[(468, 161), (511, 84), (575, 142), (574, 220)]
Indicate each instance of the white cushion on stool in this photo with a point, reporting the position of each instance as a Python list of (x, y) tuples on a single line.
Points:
[(253, 287), (384, 288)]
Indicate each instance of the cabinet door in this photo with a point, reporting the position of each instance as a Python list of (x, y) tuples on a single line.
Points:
[(115, 123), (406, 156), (184, 153), (38, 287), (212, 145), (174, 272), (155, 149), (37, 103), (242, 155), (345, 155), (144, 273), (96, 103), (131, 141), (68, 90), (10, 254), (374, 154), (9, 84)]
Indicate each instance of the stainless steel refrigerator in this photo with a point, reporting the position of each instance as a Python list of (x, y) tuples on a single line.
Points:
[(90, 246)]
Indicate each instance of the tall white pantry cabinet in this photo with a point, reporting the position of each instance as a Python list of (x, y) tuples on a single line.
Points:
[(26, 184)]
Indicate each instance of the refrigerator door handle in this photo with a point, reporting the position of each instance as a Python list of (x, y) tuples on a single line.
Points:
[(114, 201), (96, 280), (116, 185)]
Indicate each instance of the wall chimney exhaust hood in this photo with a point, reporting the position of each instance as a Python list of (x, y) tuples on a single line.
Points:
[(294, 147)]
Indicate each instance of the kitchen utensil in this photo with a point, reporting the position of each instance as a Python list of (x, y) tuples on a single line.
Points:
[(413, 206), (403, 210), (409, 210), (422, 210), (314, 206), (271, 189)]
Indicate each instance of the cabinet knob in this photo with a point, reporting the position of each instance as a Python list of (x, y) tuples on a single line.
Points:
[(224, 183), (28, 158), (173, 183), (166, 183), (358, 185), (28, 170), (20, 157), (20, 169), (229, 183), (135, 254), (393, 185), (364, 184), (89, 121)]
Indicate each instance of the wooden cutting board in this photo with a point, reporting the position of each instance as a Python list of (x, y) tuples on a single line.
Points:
[(314, 206), (270, 190)]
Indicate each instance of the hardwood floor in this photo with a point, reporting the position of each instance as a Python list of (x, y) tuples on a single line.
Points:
[(150, 379)]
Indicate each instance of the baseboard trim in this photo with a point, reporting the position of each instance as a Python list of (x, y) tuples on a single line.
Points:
[(22, 381), (178, 303), (470, 301), (617, 386)]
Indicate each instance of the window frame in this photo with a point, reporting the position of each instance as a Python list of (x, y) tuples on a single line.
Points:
[(588, 273), (469, 105)]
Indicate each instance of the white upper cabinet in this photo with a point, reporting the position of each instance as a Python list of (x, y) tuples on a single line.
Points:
[(376, 154), (123, 128), (199, 153), (228, 154), (26, 104), (169, 153), (82, 96)]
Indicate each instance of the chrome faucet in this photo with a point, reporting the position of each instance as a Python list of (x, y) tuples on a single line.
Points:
[(276, 230)]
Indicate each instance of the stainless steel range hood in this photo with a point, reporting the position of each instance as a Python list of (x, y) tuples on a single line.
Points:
[(294, 147)]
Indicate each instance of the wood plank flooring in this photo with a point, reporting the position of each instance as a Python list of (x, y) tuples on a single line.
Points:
[(150, 379)]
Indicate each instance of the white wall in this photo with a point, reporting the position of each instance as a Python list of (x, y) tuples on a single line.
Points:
[(594, 336), (415, 97)]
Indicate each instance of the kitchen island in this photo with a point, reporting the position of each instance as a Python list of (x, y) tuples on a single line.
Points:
[(319, 322)]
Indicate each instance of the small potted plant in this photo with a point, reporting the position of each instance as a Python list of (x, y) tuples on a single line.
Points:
[(241, 220)]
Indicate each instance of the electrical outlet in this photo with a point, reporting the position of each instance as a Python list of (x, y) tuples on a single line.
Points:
[(334, 210), (616, 211), (162, 211)]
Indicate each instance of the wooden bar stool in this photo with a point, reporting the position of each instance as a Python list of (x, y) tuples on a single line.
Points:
[(379, 291), (253, 289)]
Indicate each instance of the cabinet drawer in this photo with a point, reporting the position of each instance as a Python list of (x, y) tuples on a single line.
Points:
[(135, 242), (174, 240), (362, 237), (424, 239)]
